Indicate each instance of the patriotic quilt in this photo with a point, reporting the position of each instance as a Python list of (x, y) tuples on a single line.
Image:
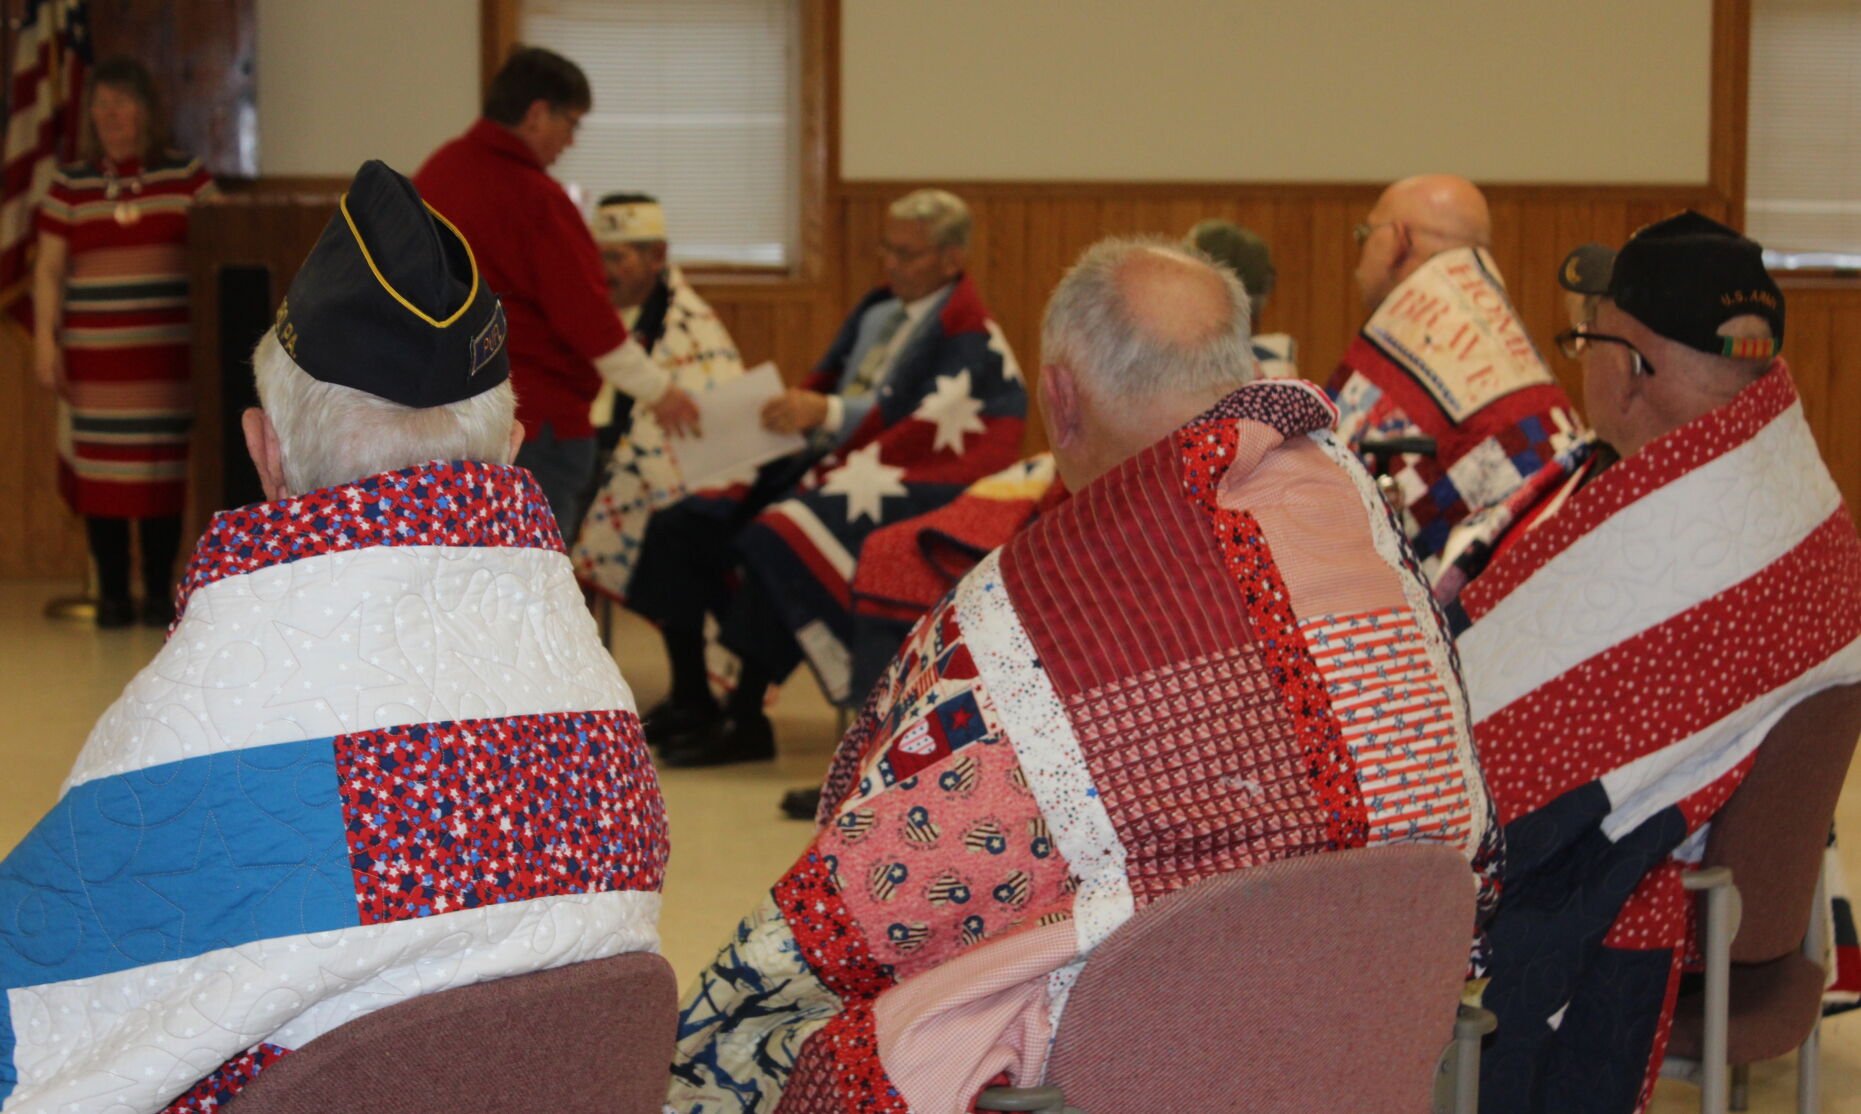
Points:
[(382, 754), (1624, 659), (1446, 358), (951, 412), (1092, 719), (642, 476), (905, 568)]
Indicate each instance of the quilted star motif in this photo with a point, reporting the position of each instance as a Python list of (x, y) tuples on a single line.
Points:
[(998, 344), (865, 481), (953, 409)]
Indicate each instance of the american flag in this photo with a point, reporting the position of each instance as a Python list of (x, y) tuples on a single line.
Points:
[(51, 53)]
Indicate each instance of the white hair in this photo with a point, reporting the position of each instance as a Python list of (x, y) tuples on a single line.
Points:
[(329, 434), (941, 212), (1090, 328)]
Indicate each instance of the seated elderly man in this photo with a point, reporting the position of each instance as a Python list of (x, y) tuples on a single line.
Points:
[(683, 336), (1242, 251), (1161, 678), (917, 398), (1626, 653), (1442, 391), (382, 753)]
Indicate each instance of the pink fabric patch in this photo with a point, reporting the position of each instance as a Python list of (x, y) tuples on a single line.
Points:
[(945, 1034), (951, 856)]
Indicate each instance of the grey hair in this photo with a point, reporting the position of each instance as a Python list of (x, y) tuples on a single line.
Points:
[(1089, 327), (330, 434), (941, 212)]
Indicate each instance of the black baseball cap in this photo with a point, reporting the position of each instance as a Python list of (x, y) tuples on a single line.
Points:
[(1587, 269), (1686, 276), (390, 301)]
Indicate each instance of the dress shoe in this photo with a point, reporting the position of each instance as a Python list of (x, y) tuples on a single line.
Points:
[(725, 740), (115, 614), (666, 723), (802, 804), (157, 611)]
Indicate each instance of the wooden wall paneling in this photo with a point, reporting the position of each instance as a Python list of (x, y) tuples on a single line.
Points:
[(1808, 331), (1842, 447), (203, 56), (39, 536)]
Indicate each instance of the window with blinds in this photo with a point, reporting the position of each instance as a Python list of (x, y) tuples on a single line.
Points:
[(696, 103), (1803, 140)]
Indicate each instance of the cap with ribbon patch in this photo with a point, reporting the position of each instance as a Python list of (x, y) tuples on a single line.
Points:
[(1686, 276), (390, 301)]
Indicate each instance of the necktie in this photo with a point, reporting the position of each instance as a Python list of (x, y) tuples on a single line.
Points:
[(872, 364)]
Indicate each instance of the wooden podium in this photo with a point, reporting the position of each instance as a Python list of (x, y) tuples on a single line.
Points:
[(243, 252)]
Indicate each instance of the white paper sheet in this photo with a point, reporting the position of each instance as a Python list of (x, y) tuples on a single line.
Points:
[(733, 441)]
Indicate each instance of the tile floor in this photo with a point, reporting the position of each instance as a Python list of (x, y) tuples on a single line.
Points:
[(728, 841)]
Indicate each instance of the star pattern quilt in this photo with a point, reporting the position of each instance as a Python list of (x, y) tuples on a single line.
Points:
[(951, 411)]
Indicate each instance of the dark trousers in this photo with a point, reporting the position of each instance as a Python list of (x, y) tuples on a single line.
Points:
[(564, 468), (689, 568), (109, 547)]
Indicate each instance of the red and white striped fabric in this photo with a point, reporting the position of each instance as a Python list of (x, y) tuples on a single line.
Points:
[(1667, 616), (1624, 661), (51, 55)]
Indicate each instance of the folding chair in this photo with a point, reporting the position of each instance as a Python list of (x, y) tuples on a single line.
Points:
[(1764, 938), (595, 1036), (1327, 982)]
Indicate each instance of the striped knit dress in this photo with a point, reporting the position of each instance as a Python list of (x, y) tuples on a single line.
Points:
[(128, 399)]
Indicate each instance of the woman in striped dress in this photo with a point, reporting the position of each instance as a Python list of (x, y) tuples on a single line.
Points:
[(111, 335)]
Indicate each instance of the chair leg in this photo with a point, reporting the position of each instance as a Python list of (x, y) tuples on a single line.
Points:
[(1720, 927), (1808, 1076), (1741, 1087), (1469, 1027)]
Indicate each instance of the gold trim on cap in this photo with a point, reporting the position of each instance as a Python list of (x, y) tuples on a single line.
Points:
[(471, 295)]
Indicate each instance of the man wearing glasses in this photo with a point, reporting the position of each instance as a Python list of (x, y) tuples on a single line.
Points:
[(1442, 391), (535, 250), (917, 398), (1626, 652)]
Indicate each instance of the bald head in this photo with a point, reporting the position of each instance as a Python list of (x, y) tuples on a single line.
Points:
[(1173, 300), (1139, 337), (1413, 221)]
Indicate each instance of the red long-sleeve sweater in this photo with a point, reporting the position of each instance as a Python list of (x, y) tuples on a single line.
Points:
[(537, 255)]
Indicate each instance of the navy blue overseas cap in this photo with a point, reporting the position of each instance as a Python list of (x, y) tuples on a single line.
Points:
[(391, 302)]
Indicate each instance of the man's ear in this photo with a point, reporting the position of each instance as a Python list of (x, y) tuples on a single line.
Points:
[(516, 442), (267, 454), (1060, 405)]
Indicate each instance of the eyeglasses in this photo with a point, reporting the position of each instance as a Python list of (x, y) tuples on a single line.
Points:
[(904, 255), (1572, 342), (1362, 233)]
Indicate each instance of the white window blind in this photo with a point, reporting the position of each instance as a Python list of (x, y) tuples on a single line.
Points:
[(1803, 174), (696, 103)]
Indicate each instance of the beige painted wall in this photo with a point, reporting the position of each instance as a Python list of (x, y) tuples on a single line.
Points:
[(1263, 90), (342, 81)]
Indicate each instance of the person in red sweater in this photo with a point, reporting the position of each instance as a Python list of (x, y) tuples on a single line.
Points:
[(535, 251)]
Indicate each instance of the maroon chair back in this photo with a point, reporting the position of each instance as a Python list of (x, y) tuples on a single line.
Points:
[(1773, 831), (1328, 982), (595, 1036)]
